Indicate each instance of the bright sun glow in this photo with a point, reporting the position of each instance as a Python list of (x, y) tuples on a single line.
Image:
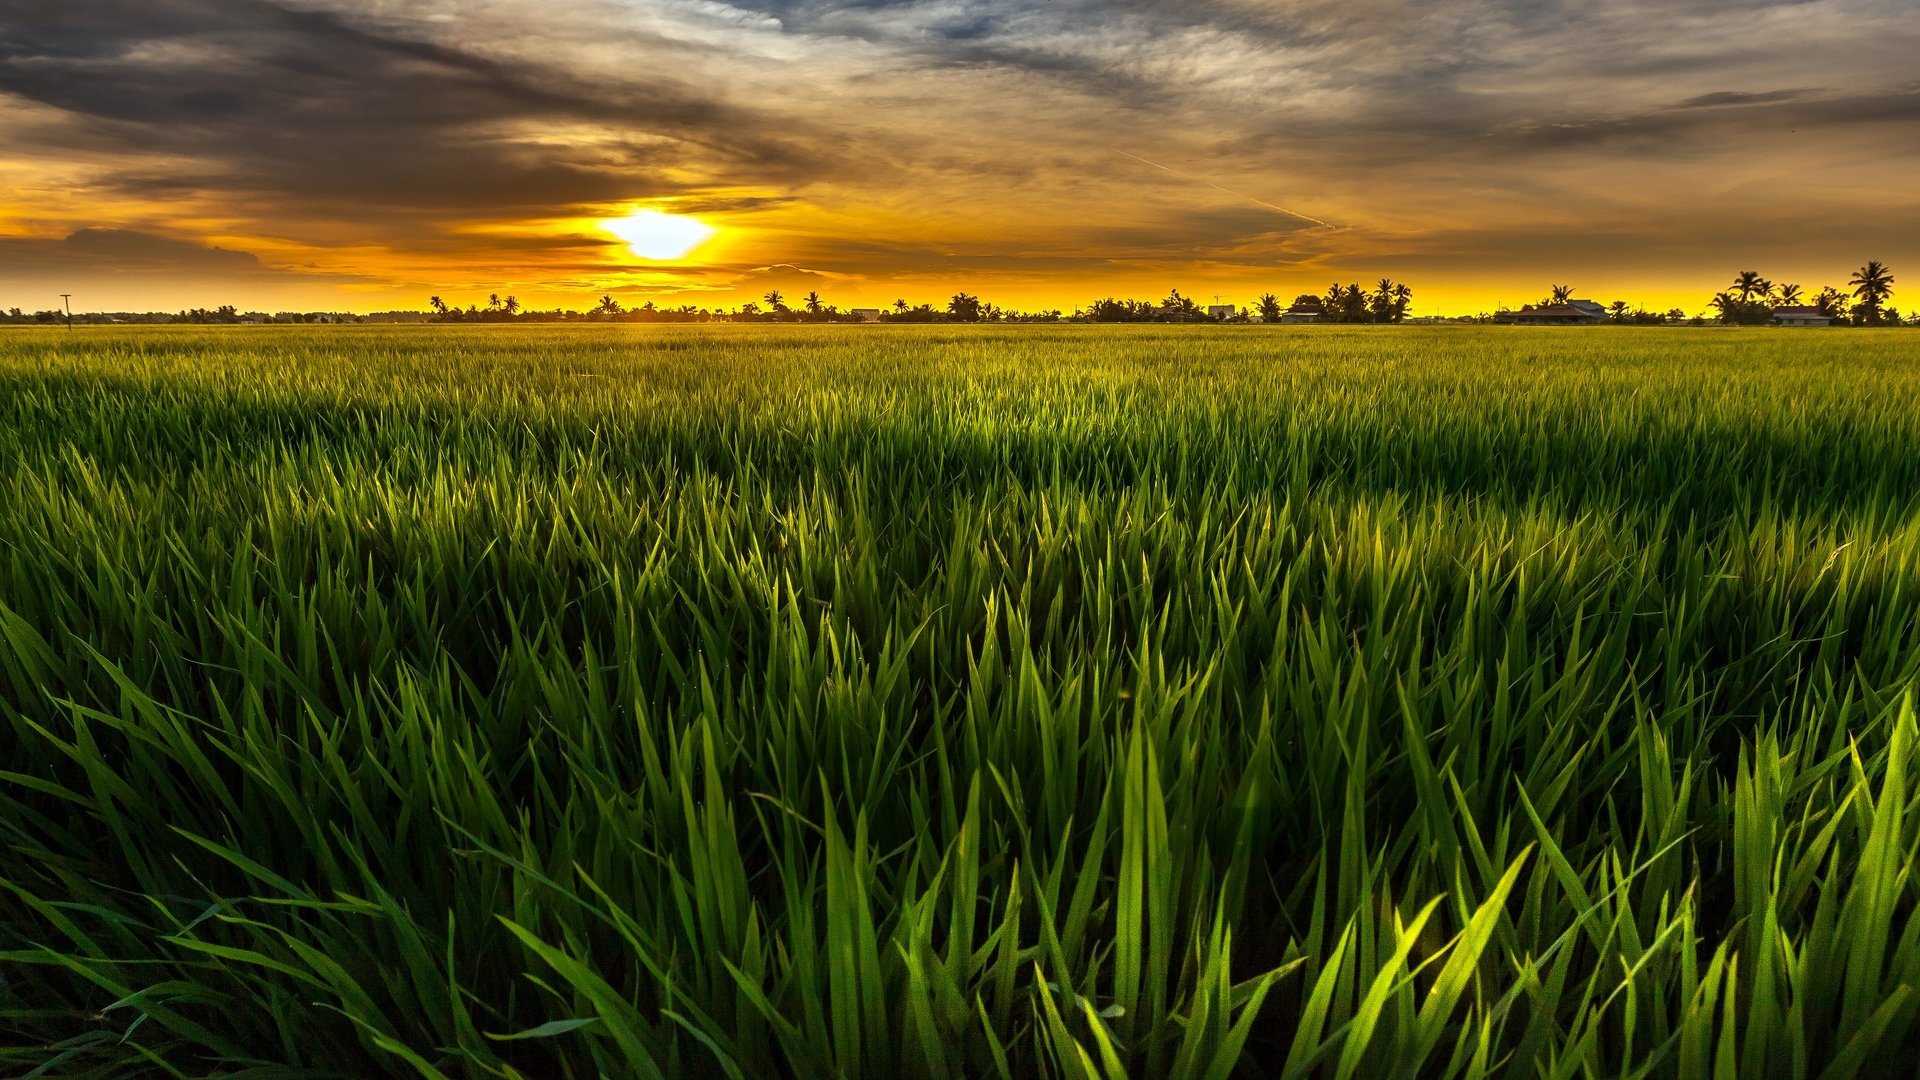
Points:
[(651, 234)]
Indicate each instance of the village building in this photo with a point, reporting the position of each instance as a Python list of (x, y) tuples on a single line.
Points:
[(865, 314), (1571, 313), (1222, 311), (1794, 315), (1307, 309)]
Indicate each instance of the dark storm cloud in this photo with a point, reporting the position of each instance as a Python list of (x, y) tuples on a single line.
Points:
[(277, 103)]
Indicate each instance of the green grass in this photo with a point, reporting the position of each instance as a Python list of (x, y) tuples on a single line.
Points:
[(959, 702)]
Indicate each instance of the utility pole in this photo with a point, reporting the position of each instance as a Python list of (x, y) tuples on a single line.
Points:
[(66, 301)]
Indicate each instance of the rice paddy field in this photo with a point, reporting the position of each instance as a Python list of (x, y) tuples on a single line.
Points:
[(959, 702)]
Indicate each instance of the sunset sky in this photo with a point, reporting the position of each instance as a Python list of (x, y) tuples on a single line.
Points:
[(365, 154)]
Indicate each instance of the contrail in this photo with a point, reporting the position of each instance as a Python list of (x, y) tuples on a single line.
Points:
[(1228, 190)]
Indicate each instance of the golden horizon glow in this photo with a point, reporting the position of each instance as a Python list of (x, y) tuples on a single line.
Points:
[(660, 236)]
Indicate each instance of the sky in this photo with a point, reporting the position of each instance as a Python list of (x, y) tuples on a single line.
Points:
[(367, 154)]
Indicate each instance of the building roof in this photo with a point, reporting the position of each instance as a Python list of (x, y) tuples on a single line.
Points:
[(1551, 311), (1801, 311)]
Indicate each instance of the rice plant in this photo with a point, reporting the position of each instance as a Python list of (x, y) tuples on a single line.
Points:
[(1080, 702)]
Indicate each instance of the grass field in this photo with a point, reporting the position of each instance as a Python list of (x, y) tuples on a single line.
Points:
[(959, 702)]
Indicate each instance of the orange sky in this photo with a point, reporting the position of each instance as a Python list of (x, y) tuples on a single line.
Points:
[(365, 154)]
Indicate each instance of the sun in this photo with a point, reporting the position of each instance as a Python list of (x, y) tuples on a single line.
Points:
[(651, 234)]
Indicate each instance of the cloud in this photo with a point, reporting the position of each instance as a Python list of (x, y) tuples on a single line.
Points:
[(130, 250), (902, 140), (1723, 98), (130, 269), (784, 276), (275, 104), (96, 250)]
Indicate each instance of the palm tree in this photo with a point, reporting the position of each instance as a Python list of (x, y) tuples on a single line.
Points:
[(1789, 294), (775, 300), (900, 306), (513, 305), (1402, 300), (1356, 300), (608, 306), (1618, 309), (1561, 294), (437, 304), (493, 301), (813, 303), (1269, 307), (1380, 304), (1747, 282), (1873, 284)]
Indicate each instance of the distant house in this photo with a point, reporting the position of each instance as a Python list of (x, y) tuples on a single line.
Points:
[(1307, 309), (1571, 313), (865, 314), (1801, 316), (1222, 311)]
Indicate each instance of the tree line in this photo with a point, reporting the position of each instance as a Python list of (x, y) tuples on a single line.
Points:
[(223, 315), (1751, 300), (1388, 303)]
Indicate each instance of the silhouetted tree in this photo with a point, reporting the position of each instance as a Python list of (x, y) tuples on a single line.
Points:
[(1402, 300), (1873, 285), (1269, 307), (1735, 311), (1177, 308)]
